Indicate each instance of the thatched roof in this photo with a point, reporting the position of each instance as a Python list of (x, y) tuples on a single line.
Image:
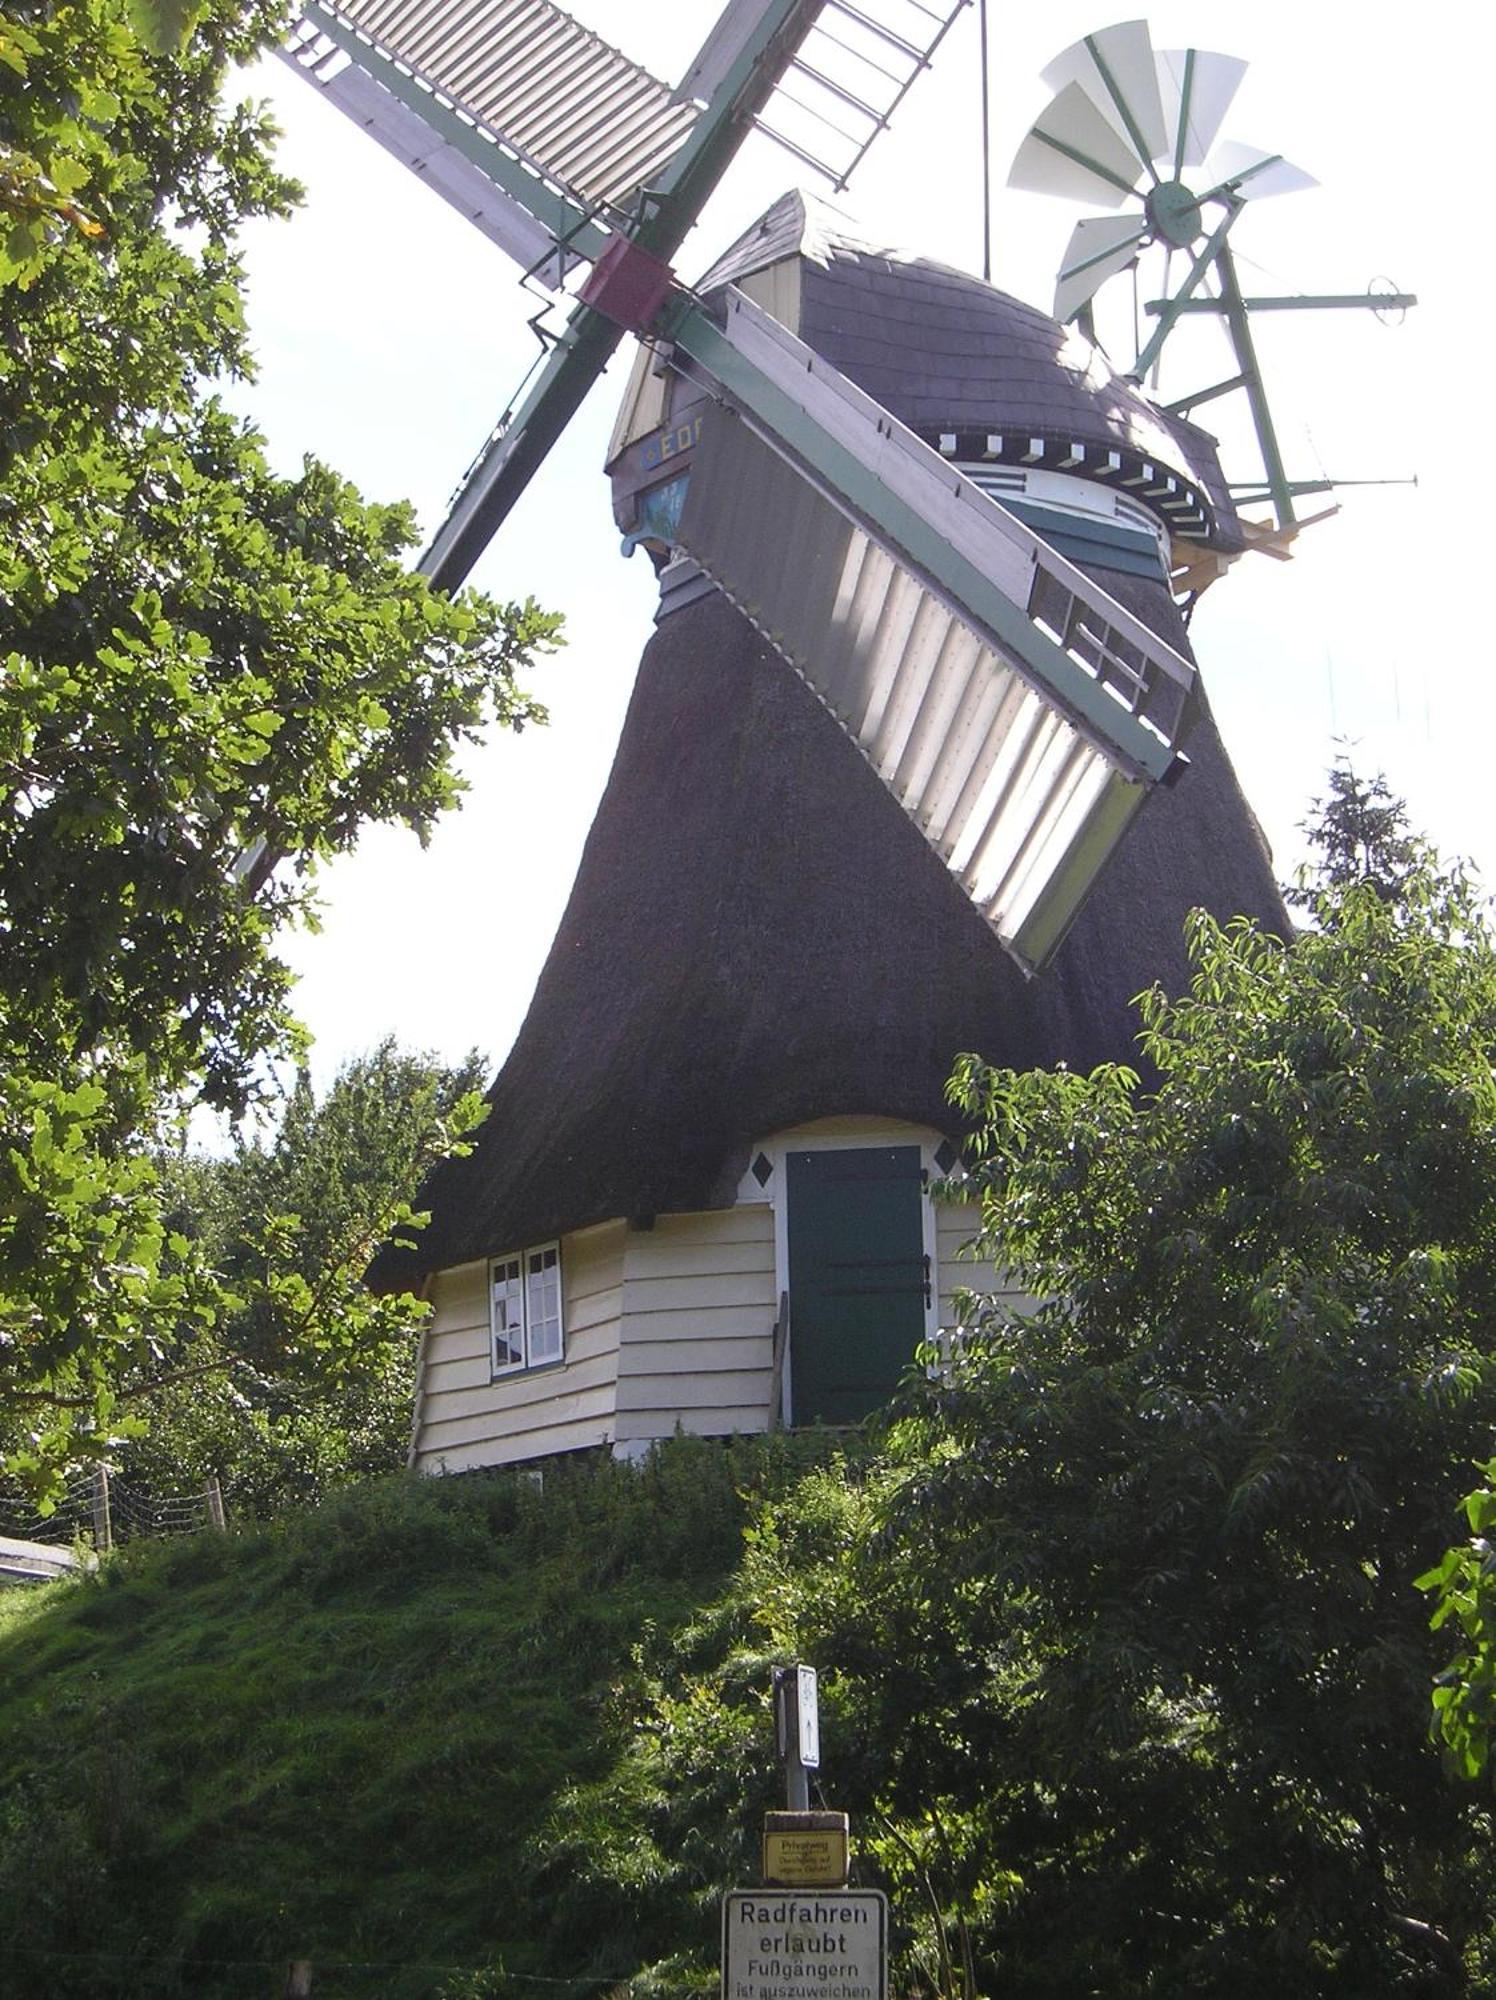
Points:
[(758, 936)]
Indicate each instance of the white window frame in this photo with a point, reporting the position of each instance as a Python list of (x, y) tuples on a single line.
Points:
[(520, 1269)]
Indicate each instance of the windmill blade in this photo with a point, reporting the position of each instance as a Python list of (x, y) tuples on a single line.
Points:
[(1115, 68), (1017, 713), (1071, 150), (1196, 88), (1250, 173), (570, 131), (555, 99), (513, 455), (454, 158), (1099, 246)]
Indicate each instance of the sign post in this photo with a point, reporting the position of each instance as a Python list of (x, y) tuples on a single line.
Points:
[(804, 1935), (797, 1731)]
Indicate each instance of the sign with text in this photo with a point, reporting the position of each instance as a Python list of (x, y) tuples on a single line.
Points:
[(805, 1848), (804, 1946)]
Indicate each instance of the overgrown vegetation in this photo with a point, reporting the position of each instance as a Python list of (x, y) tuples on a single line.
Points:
[(335, 1737), (1125, 1667), (316, 1194), (213, 679)]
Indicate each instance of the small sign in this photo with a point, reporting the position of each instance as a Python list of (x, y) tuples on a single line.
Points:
[(805, 1849), (797, 1716), (805, 1945), (808, 1707)]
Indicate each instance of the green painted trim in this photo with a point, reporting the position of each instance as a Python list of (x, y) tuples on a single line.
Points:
[(1103, 720), (485, 499), (1239, 326), (1222, 191), (1084, 160), (1077, 527), (1187, 403), (553, 211), (720, 129), (1186, 94), (1134, 554)]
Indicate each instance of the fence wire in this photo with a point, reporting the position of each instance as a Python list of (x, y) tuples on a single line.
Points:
[(100, 1510)]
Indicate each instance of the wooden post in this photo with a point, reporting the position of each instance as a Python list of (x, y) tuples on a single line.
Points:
[(298, 1979), (103, 1527), (213, 1494), (776, 1371)]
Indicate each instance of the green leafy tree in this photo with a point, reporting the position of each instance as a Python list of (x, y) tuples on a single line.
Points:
[(1125, 1678), (213, 678), (1465, 1586), (292, 1221)]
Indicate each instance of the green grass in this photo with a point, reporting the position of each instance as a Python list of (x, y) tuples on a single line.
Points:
[(332, 1738)]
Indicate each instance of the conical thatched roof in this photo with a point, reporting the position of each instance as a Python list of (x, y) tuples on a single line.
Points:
[(758, 936)]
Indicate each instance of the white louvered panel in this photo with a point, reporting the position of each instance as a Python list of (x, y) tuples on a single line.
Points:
[(414, 142), (999, 781), (930, 629), (950, 683), (547, 89), (966, 764)]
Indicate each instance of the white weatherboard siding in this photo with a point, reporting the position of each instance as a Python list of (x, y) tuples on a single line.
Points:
[(668, 1328), (958, 1271), (467, 1418), (699, 1304)]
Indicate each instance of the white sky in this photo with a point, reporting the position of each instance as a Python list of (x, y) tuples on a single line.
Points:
[(390, 335)]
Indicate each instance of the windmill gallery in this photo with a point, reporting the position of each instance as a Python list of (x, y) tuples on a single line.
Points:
[(917, 759)]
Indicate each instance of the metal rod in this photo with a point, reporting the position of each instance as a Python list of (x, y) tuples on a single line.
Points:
[(1187, 403), (877, 28), (1255, 489), (1084, 160), (1304, 302), (1186, 93), (1267, 438), (1215, 246), (986, 151)]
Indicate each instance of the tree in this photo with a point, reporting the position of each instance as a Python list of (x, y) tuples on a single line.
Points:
[(214, 678), (291, 1220), (1125, 1679), (1465, 1583)]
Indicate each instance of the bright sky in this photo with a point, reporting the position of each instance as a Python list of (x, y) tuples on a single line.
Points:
[(390, 336)]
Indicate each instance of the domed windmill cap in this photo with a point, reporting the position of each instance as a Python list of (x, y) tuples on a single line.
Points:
[(987, 369)]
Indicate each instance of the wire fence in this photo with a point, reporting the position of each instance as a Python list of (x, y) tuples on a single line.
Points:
[(98, 1510)]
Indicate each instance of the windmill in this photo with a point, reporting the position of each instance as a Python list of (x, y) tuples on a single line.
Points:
[(568, 155), (1137, 130), (904, 736)]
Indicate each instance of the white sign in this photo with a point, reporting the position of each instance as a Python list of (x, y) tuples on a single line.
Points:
[(807, 1704), (830, 1944)]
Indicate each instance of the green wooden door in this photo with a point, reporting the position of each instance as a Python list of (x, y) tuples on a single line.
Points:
[(859, 1278)]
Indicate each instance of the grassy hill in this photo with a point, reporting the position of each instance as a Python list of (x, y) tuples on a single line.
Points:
[(334, 1738)]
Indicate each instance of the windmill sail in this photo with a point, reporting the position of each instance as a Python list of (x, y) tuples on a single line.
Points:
[(560, 149), (1015, 710)]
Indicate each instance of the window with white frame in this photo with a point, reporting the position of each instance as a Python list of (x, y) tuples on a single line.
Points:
[(524, 1305)]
